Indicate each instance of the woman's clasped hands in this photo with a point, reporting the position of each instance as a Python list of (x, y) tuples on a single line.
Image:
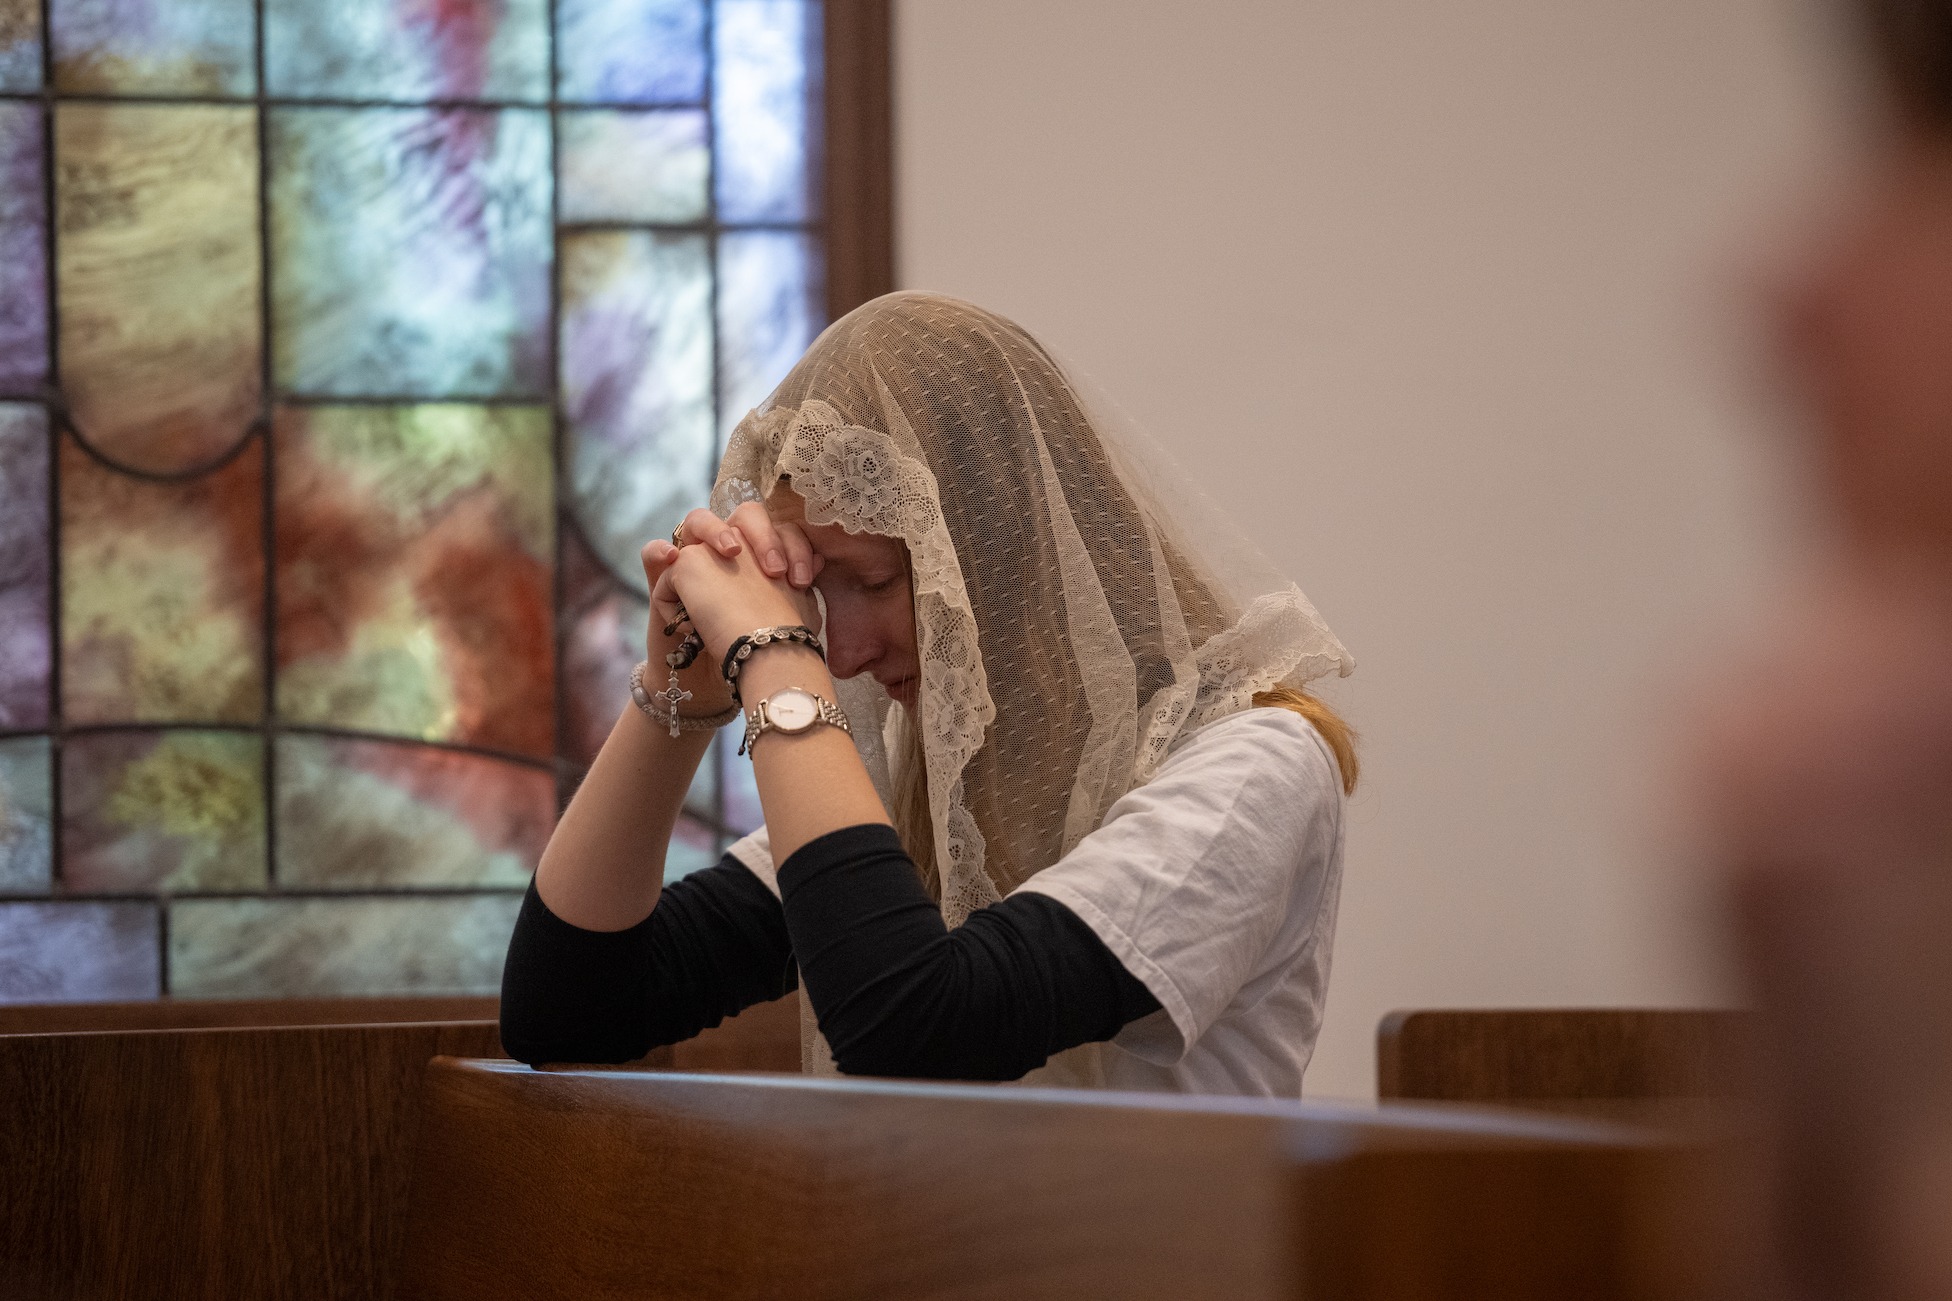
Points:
[(730, 578)]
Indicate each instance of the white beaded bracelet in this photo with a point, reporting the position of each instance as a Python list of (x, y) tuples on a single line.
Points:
[(645, 701)]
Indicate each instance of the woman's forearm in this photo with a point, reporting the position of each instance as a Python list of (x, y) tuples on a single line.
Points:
[(604, 866), (812, 783)]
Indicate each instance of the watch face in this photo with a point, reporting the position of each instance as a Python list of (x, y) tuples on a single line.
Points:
[(792, 710)]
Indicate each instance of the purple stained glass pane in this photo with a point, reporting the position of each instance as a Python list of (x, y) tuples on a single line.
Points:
[(144, 811), (380, 813), (768, 312), (294, 948), (411, 252), (635, 166), (180, 47), (26, 810), (637, 386), (765, 65), (630, 51), (20, 45), (23, 250), (26, 651), (407, 49), (742, 811), (606, 628), (75, 952)]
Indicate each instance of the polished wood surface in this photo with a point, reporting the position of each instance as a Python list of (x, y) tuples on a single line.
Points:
[(196, 1013), (261, 1163), (1539, 1223), (859, 153), (764, 1037), (1598, 1055), (597, 1185)]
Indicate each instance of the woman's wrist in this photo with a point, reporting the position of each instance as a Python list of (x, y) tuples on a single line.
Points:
[(783, 665), (701, 678)]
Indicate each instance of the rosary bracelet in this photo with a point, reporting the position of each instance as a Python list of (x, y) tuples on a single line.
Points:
[(741, 650)]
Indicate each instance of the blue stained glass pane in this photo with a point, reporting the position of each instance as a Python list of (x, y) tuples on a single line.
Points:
[(276, 948), (23, 250), (411, 252), (26, 645), (634, 166), (185, 47), (768, 312), (693, 845), (20, 45), (637, 386), (762, 50), (407, 49), (630, 51), (78, 952), (26, 810)]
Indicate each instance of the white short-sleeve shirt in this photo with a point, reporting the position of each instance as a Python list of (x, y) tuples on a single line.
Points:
[(1216, 885)]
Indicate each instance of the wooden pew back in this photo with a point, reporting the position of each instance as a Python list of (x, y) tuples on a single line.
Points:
[(600, 1185), (216, 1013), (1540, 1222), (262, 1163), (1596, 1060)]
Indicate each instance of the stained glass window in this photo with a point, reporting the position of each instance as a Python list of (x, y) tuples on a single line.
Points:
[(348, 355)]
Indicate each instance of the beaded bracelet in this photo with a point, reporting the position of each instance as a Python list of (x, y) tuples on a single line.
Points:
[(673, 696), (741, 650)]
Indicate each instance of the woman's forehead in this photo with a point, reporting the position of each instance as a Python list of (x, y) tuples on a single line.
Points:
[(833, 542)]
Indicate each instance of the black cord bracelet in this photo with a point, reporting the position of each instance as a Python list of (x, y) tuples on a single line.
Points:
[(741, 650)]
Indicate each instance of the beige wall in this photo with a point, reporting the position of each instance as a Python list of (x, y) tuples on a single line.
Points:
[(1444, 299)]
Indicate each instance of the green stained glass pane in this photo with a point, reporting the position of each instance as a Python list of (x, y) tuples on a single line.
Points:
[(26, 807), (162, 591), (378, 813), (634, 166), (415, 559), (768, 312), (26, 652), (20, 45), (158, 278), (411, 252), (407, 49), (73, 952), (294, 948), (23, 250), (162, 810), (155, 47), (637, 386), (765, 63), (630, 51)]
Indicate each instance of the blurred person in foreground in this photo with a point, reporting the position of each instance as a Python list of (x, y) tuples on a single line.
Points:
[(1828, 767)]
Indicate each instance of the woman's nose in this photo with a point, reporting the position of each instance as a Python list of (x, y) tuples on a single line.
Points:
[(850, 650)]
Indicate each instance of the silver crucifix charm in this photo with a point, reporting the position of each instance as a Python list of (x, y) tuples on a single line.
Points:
[(672, 696)]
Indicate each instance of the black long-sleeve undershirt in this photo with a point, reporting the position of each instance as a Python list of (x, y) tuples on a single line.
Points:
[(896, 992)]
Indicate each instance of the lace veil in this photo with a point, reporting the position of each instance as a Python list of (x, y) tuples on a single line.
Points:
[(1076, 610)]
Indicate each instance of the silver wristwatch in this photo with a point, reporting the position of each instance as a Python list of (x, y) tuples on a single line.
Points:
[(791, 711)]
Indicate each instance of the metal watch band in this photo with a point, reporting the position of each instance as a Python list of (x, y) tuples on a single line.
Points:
[(759, 722)]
